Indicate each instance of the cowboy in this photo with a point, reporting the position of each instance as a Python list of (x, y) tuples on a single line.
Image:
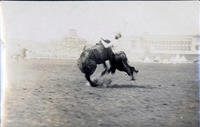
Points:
[(114, 43), (116, 46)]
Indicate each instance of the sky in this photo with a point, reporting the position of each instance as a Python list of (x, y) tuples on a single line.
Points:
[(50, 21)]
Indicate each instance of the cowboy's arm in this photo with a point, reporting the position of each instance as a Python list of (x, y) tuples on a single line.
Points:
[(107, 45)]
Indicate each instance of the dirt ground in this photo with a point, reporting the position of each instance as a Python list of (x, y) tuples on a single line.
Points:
[(47, 93)]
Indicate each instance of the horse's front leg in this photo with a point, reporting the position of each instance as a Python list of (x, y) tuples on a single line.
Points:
[(105, 66), (112, 68)]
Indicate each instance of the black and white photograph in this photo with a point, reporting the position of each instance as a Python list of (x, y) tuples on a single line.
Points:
[(100, 63)]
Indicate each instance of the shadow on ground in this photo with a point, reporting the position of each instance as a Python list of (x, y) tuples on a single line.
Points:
[(125, 86), (129, 86)]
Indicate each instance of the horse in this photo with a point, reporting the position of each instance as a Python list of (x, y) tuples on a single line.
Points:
[(98, 54)]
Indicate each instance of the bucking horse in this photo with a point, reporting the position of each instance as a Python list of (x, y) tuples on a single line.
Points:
[(98, 54)]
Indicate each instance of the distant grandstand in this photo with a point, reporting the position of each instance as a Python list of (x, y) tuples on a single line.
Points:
[(67, 48), (166, 44)]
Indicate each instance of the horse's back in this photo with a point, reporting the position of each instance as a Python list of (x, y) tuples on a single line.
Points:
[(97, 53)]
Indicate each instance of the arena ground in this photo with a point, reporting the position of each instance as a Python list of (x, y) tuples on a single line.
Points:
[(53, 93)]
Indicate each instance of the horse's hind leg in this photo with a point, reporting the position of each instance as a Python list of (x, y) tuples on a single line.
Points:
[(128, 69), (134, 70)]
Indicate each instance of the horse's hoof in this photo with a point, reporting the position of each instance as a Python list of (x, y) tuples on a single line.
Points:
[(136, 71), (103, 73), (133, 79), (93, 85), (112, 72)]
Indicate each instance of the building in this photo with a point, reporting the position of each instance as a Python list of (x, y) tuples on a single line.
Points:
[(69, 47), (166, 44)]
